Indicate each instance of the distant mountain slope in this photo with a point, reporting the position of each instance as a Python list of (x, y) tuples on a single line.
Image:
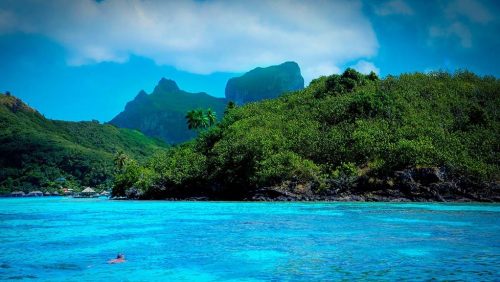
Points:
[(162, 113), (34, 151), (264, 83)]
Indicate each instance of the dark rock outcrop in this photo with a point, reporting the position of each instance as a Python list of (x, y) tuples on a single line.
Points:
[(417, 184), (409, 185)]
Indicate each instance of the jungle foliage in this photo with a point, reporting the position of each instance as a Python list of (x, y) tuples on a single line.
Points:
[(41, 154), (338, 127)]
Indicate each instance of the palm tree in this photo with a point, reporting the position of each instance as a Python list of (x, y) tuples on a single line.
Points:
[(211, 116), (120, 160), (230, 105), (192, 120), (202, 118), (197, 119)]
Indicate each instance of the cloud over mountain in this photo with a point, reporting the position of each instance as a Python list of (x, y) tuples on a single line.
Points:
[(201, 36)]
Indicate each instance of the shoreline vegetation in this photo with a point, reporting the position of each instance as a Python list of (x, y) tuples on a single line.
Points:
[(347, 137)]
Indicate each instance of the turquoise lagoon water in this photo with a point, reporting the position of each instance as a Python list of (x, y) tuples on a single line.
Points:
[(65, 239)]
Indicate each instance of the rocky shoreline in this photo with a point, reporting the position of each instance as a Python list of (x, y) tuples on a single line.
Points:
[(410, 185)]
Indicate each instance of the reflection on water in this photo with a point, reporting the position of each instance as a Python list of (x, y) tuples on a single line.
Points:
[(60, 239)]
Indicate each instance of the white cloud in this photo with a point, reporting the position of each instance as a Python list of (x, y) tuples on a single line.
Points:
[(460, 17), (394, 7), (201, 36), (470, 9), (365, 67), (318, 70), (455, 29)]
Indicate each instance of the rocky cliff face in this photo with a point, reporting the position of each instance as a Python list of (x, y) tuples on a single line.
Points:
[(264, 83), (162, 113), (431, 184)]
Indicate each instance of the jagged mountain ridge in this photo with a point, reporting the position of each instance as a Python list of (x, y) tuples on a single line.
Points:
[(162, 113)]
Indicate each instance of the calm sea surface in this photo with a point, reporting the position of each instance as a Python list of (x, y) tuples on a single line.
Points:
[(65, 239)]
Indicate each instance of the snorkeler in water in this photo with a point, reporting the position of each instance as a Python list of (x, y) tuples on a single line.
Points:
[(119, 258)]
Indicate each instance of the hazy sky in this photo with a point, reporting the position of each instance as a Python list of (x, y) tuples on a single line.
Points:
[(82, 60)]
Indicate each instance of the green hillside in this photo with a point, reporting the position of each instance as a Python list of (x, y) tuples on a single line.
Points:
[(343, 133), (36, 151), (162, 113)]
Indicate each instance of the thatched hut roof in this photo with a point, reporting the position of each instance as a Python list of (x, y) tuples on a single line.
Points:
[(88, 190), (35, 193)]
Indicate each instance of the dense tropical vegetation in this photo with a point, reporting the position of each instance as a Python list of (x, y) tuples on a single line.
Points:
[(198, 119), (41, 154), (340, 129)]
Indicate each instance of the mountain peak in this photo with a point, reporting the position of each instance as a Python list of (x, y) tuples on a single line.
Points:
[(290, 64), (161, 114), (265, 83), (141, 95), (166, 85), (15, 104)]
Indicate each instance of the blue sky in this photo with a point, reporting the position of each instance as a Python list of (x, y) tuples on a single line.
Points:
[(84, 59)]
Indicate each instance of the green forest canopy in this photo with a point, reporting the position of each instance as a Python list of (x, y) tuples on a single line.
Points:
[(340, 124), (35, 151)]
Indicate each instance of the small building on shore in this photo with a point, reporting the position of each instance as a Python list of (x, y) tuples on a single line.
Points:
[(35, 194), (87, 193), (67, 191), (17, 194)]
